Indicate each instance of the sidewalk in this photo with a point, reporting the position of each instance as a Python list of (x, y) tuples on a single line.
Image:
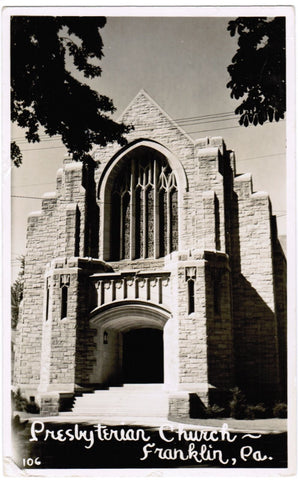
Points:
[(264, 426)]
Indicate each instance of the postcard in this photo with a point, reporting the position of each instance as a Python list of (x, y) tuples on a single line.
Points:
[(150, 182)]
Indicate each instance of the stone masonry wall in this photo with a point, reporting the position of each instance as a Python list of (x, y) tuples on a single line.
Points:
[(220, 341), (68, 341), (63, 334), (40, 233), (51, 232), (202, 163), (209, 232), (228, 247), (85, 341), (280, 283), (192, 327), (70, 207), (152, 123), (256, 343), (85, 354)]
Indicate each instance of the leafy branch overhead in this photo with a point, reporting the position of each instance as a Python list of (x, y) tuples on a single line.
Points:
[(45, 93), (258, 70)]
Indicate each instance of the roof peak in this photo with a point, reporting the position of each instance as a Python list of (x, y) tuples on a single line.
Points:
[(143, 93)]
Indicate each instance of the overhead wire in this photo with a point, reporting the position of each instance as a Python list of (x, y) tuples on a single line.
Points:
[(33, 185), (109, 203), (237, 161), (183, 122), (145, 128), (25, 196), (178, 120), (181, 119)]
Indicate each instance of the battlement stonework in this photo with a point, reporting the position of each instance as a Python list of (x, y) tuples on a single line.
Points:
[(161, 240)]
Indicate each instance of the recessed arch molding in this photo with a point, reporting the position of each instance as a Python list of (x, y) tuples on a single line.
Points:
[(128, 315)]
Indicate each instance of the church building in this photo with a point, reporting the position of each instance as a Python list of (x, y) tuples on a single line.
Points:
[(159, 266)]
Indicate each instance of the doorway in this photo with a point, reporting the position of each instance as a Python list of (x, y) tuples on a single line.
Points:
[(143, 356)]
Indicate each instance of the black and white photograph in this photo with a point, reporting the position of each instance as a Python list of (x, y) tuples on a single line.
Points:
[(150, 178)]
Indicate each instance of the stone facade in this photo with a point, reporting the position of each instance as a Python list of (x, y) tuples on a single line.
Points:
[(197, 258)]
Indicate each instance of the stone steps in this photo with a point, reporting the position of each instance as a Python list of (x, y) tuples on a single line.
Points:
[(131, 400)]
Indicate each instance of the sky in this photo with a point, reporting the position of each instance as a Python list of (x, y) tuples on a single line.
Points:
[(182, 64)]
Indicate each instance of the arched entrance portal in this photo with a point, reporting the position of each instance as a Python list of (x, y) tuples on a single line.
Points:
[(132, 343), (143, 356)]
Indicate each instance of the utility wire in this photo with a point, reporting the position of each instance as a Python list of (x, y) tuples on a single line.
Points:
[(209, 120), (261, 156), (197, 122), (186, 123), (109, 203), (41, 135), (33, 184), (237, 161), (24, 196), (178, 120), (37, 149), (214, 129), (181, 119), (148, 128), (215, 117), (45, 139)]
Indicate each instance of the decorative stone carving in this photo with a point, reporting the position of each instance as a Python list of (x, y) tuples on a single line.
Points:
[(190, 273), (154, 288), (64, 280)]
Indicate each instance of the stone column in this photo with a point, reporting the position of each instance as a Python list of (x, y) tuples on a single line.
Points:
[(190, 348), (59, 336)]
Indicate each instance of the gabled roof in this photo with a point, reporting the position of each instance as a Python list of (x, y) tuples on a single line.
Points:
[(147, 102)]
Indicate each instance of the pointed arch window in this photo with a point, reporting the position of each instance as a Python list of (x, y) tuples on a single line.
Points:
[(144, 207), (64, 285), (47, 298)]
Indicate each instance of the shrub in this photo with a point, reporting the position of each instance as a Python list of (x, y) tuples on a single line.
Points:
[(18, 401), (32, 407), (238, 404), (21, 404), (280, 410), (256, 411), (214, 411)]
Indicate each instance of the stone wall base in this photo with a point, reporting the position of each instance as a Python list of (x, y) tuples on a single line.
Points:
[(187, 404), (179, 405), (48, 403)]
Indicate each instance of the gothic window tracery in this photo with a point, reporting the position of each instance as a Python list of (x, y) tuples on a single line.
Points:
[(144, 213)]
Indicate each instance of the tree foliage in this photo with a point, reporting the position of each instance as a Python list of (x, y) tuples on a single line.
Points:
[(17, 293), (44, 91), (258, 70)]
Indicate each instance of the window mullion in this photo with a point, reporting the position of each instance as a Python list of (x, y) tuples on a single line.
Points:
[(168, 246), (156, 210), (132, 211), (121, 228), (144, 222)]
